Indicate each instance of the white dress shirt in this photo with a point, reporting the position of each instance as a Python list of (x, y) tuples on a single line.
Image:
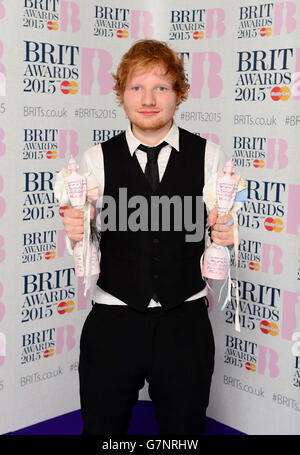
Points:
[(93, 159)]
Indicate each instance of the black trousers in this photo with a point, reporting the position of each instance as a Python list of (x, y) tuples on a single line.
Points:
[(121, 347)]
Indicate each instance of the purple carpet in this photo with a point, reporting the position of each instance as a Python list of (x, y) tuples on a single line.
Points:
[(142, 423)]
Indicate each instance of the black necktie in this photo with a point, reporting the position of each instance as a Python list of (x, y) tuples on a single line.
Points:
[(151, 170)]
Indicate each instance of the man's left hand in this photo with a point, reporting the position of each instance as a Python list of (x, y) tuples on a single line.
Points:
[(221, 234)]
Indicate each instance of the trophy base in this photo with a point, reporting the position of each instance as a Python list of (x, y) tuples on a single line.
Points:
[(215, 265)]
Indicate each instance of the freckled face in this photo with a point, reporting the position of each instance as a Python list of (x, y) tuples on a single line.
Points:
[(149, 100)]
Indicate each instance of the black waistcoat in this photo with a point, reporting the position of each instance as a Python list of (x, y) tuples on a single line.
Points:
[(134, 265)]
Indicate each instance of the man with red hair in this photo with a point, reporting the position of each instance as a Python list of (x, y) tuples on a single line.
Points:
[(149, 319)]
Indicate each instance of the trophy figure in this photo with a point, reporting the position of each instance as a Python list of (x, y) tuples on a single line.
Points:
[(215, 261), (80, 190), (216, 257)]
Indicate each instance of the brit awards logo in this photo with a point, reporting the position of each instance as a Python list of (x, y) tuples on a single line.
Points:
[(251, 357), (266, 74), (240, 353), (122, 23), (266, 19), (49, 143), (55, 69), (42, 246), (265, 206), (46, 343), (268, 310), (40, 202), (62, 15), (51, 68), (258, 256), (258, 306), (260, 152), (196, 24), (47, 293), (203, 73)]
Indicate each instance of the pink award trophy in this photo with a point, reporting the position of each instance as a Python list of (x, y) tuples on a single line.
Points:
[(80, 190), (215, 263)]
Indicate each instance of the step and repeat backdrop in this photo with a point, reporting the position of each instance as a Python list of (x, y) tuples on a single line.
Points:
[(242, 60)]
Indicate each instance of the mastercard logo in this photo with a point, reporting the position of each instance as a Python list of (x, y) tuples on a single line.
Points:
[(258, 163), (122, 34), (66, 307), (273, 224), (49, 353), (269, 328), (254, 266), (52, 25), (198, 34), (266, 31), (250, 366), (69, 87), (50, 254), (63, 208), (280, 93), (51, 154)]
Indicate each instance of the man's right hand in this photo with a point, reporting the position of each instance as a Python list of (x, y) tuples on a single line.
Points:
[(73, 223)]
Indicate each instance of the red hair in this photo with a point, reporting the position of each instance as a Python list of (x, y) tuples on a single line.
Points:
[(146, 54)]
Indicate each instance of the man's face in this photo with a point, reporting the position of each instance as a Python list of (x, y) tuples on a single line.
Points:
[(149, 99)]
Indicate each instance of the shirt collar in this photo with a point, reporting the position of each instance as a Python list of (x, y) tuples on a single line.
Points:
[(172, 138)]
